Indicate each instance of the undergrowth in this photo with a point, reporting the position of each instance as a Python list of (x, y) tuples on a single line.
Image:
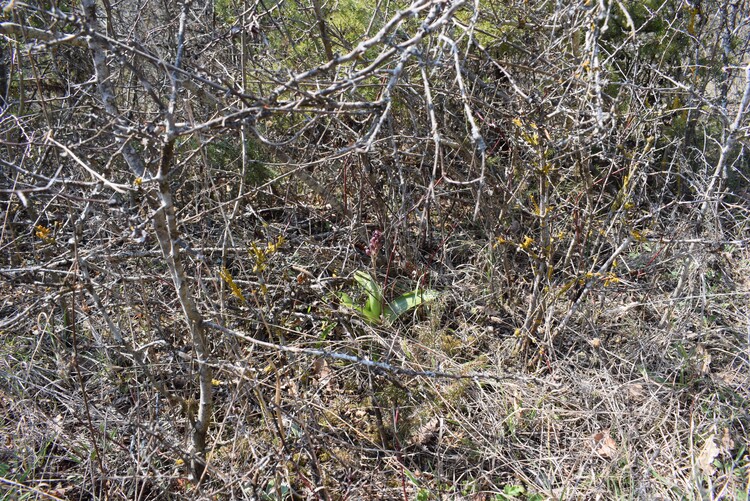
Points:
[(508, 260)]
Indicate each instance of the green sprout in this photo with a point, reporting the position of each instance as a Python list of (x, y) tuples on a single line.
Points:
[(375, 308)]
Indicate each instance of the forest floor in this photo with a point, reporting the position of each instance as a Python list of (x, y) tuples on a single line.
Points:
[(643, 396)]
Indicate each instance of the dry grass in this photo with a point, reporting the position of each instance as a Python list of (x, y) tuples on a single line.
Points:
[(591, 339), (618, 408)]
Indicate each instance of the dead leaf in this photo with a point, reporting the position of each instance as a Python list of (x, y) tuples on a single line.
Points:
[(322, 369), (318, 365), (636, 392), (605, 445), (704, 360), (707, 456), (727, 444), (426, 432), (60, 491)]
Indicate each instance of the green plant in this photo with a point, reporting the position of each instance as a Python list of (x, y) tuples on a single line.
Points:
[(276, 491), (516, 492), (376, 308), (511, 492), (423, 495)]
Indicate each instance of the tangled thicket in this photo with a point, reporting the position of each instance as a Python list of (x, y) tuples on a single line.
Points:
[(189, 186)]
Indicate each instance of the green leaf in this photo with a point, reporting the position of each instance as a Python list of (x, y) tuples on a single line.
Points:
[(423, 495), (346, 300), (374, 304), (369, 284), (408, 301), (371, 315), (513, 491), (373, 307)]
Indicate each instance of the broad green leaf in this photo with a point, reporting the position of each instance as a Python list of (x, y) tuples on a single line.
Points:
[(372, 308), (369, 284), (371, 315), (408, 301), (374, 304), (346, 300)]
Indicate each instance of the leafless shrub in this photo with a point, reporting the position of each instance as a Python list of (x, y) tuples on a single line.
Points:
[(187, 185)]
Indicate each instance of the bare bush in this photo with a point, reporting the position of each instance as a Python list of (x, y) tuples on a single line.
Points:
[(188, 188)]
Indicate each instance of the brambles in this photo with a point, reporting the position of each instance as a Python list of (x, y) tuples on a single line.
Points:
[(571, 178)]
